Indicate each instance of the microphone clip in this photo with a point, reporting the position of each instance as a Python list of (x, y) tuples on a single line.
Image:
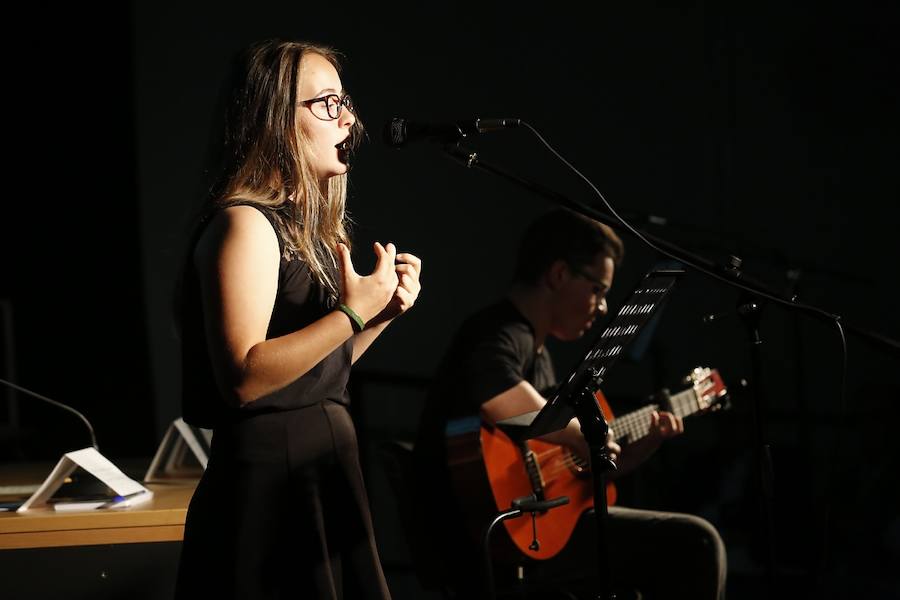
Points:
[(463, 155)]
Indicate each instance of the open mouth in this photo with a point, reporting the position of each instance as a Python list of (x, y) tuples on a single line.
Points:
[(344, 151)]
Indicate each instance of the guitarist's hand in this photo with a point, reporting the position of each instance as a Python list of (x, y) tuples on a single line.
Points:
[(579, 446), (612, 448), (664, 425)]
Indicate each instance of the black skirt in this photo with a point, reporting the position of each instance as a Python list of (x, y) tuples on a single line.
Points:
[(282, 512)]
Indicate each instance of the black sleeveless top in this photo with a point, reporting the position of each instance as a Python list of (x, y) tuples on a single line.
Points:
[(299, 301)]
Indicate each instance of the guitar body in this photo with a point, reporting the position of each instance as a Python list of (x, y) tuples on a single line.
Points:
[(488, 474), (489, 471), (508, 481)]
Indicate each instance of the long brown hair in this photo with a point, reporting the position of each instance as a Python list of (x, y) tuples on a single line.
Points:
[(267, 156)]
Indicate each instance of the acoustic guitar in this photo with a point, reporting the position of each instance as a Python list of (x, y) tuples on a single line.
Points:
[(489, 470)]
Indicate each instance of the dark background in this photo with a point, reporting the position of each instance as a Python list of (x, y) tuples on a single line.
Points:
[(766, 132)]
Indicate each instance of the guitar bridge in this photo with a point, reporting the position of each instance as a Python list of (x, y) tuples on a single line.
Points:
[(533, 469)]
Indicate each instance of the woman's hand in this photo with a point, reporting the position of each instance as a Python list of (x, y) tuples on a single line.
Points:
[(408, 287), (368, 295)]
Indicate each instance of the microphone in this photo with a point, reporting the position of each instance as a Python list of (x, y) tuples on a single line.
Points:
[(58, 405), (399, 131)]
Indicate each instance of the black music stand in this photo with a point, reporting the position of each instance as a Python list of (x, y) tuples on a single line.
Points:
[(575, 397)]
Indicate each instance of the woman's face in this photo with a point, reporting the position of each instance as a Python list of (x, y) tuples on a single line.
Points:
[(318, 79)]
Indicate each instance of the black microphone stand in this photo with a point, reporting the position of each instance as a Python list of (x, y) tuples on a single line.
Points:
[(724, 273), (749, 309), (596, 430), (470, 159)]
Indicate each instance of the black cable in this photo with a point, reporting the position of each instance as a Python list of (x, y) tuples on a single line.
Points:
[(832, 491), (59, 405)]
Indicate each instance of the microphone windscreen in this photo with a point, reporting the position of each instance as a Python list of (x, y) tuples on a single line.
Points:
[(394, 133)]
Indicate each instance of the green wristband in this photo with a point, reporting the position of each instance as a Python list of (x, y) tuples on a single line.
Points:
[(358, 323)]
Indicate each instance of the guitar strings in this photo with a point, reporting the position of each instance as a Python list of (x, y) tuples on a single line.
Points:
[(632, 426)]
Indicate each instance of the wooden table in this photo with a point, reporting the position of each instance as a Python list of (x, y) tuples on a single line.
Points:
[(97, 554), (160, 520)]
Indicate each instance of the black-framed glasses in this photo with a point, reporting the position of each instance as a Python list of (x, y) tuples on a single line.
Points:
[(599, 286), (328, 107)]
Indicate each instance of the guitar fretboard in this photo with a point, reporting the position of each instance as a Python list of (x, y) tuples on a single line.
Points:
[(635, 425)]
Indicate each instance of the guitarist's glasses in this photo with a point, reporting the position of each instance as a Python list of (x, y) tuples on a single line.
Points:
[(599, 286)]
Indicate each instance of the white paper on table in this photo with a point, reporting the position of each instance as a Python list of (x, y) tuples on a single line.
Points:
[(94, 463), (124, 502), (171, 455)]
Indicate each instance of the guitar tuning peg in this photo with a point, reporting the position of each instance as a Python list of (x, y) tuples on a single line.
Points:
[(696, 375)]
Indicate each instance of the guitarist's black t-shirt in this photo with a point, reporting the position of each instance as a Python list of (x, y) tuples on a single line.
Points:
[(492, 351)]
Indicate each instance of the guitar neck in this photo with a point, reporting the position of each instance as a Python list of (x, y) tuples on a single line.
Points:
[(634, 426)]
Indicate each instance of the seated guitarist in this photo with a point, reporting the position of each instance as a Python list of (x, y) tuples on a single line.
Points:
[(496, 367)]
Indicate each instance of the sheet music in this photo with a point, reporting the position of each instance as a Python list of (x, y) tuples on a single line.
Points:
[(640, 307)]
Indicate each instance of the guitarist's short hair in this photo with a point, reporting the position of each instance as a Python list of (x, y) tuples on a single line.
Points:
[(562, 234)]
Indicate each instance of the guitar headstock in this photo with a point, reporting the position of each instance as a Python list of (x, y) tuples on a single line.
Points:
[(708, 387)]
